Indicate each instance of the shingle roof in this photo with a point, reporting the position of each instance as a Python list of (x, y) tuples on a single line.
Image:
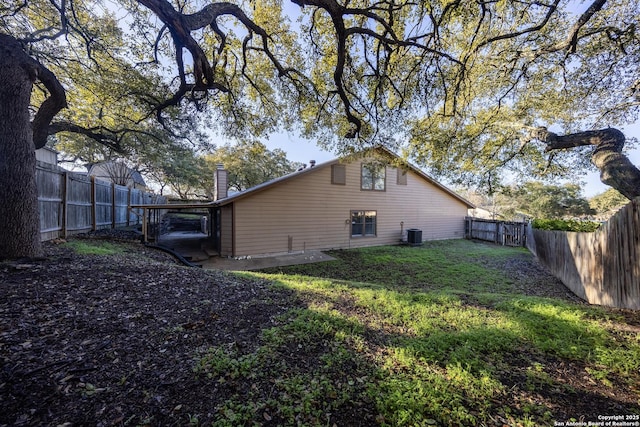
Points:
[(381, 150), (277, 181), (136, 177)]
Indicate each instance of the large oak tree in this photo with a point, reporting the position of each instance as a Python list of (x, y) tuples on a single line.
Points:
[(473, 86)]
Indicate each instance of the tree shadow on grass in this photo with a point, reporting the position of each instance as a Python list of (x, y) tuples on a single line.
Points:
[(524, 359)]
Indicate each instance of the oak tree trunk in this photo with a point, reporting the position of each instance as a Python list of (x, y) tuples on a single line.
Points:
[(616, 170), (20, 235)]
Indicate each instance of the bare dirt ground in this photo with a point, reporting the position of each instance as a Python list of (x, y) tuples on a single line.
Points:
[(112, 340), (94, 340)]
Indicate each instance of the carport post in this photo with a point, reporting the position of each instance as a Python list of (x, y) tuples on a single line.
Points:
[(144, 225)]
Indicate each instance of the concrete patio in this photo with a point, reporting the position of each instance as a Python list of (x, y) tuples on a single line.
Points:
[(192, 246)]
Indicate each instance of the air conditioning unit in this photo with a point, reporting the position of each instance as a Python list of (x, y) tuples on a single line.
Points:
[(414, 236)]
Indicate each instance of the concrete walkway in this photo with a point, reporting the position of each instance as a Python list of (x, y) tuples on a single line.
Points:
[(191, 246), (308, 257)]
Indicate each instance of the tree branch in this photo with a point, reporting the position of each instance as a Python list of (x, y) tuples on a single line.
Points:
[(101, 135), (56, 100), (571, 42), (616, 170), (551, 10)]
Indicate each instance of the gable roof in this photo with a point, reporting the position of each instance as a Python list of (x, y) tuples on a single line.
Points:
[(311, 169), (100, 170)]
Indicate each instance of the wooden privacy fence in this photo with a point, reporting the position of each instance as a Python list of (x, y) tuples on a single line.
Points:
[(601, 267), (72, 203), (507, 233)]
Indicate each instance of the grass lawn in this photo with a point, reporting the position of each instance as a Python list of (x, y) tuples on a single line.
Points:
[(450, 333)]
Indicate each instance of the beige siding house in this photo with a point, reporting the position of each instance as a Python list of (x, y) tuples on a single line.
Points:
[(365, 201)]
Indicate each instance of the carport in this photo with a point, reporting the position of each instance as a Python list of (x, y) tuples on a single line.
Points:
[(152, 216), (190, 248)]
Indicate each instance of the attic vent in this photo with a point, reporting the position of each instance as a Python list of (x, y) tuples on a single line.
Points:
[(339, 174)]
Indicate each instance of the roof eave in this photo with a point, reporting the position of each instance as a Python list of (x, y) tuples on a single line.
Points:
[(266, 185)]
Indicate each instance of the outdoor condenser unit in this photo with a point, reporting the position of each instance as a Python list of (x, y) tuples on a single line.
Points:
[(414, 236)]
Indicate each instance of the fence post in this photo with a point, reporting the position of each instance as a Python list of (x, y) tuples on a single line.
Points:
[(145, 233), (128, 206), (94, 221), (65, 199), (113, 206)]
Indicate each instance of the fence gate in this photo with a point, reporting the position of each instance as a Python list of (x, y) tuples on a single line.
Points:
[(514, 233), (507, 233)]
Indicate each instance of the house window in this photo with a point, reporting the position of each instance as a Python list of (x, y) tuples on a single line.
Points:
[(338, 174), (373, 176), (363, 223)]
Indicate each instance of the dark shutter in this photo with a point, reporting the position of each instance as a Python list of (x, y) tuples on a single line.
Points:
[(402, 176), (339, 174)]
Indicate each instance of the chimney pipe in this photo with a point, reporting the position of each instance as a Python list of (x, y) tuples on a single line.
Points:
[(220, 182)]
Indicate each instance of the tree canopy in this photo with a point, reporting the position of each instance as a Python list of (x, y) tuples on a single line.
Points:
[(470, 89), (539, 200), (466, 81), (248, 164), (608, 202)]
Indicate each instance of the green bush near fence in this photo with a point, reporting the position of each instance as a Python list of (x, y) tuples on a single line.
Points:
[(566, 225)]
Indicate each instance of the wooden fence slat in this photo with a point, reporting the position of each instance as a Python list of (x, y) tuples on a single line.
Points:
[(50, 185), (72, 203), (120, 205), (601, 267), (507, 233), (79, 204)]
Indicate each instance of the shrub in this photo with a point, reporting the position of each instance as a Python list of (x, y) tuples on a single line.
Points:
[(566, 225)]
